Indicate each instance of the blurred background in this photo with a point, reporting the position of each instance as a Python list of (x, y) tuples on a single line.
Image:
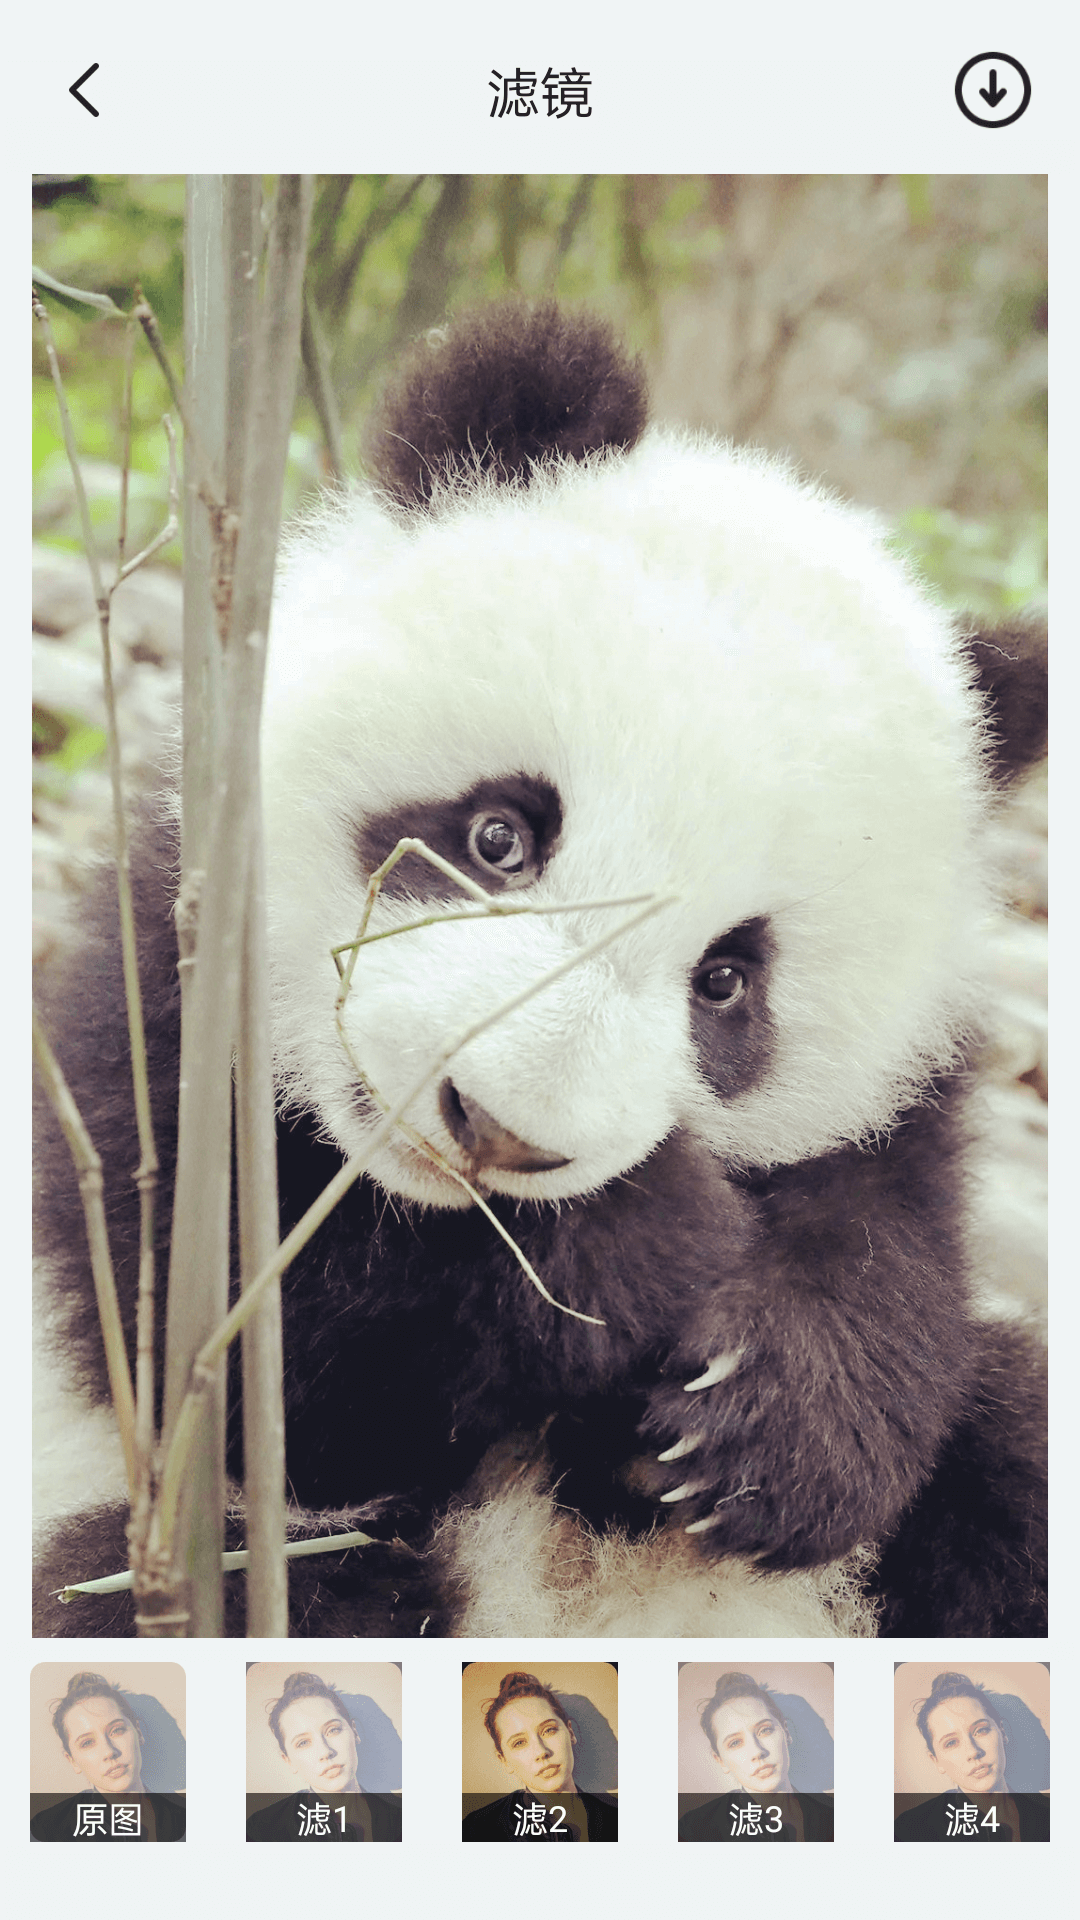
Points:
[(887, 332)]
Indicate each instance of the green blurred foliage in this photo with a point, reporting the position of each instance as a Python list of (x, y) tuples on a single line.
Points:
[(919, 199), (67, 745), (985, 567), (389, 256), (108, 237), (1022, 312)]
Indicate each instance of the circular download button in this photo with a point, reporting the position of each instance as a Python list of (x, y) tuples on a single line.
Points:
[(993, 90)]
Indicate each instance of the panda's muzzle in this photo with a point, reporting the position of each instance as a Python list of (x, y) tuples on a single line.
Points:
[(486, 1142)]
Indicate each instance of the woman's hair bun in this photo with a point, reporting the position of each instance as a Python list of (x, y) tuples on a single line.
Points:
[(80, 1680)]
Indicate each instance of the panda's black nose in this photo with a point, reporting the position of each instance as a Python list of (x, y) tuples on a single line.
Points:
[(486, 1142)]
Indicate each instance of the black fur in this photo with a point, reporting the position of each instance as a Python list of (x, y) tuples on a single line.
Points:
[(971, 1550), (1011, 671), (503, 388)]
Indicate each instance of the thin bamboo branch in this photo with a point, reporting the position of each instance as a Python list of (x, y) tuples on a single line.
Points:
[(382, 214), (257, 1200), (499, 909), (144, 313), (417, 1140), (321, 386), (233, 1562), (197, 453), (91, 1188), (101, 301), (147, 1170), (125, 444), (172, 525), (575, 213), (330, 198), (102, 596), (70, 448)]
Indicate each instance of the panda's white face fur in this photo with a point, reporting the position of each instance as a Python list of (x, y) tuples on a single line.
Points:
[(690, 674)]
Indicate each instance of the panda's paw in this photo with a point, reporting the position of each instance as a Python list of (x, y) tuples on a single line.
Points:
[(744, 1479)]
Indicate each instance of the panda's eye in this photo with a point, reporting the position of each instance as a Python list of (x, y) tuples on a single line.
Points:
[(497, 842), (720, 982)]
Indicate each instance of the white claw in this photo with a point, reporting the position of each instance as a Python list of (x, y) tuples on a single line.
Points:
[(681, 1493), (718, 1369), (679, 1451), (702, 1526)]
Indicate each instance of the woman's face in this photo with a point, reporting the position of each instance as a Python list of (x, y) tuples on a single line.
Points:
[(969, 1746), (103, 1745), (319, 1744), (536, 1745), (751, 1745)]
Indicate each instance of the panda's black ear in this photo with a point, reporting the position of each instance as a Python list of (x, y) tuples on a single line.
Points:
[(499, 390), (1010, 663)]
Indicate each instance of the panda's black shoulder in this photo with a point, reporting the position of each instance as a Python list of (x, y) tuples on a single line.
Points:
[(1011, 663), (500, 390)]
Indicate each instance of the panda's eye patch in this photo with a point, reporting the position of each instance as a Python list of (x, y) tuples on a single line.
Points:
[(730, 1021), (495, 841), (721, 982), (503, 830), (732, 967)]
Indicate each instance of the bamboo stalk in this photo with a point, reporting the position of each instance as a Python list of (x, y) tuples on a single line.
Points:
[(199, 1255), (270, 407), (199, 1267)]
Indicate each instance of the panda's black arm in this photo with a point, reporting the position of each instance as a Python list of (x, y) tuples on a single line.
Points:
[(855, 1352), (969, 1555), (83, 1008)]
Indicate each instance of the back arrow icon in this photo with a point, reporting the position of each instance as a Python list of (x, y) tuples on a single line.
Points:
[(75, 89)]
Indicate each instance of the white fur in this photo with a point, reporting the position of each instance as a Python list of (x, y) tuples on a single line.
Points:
[(739, 694), (78, 1461), (530, 1569)]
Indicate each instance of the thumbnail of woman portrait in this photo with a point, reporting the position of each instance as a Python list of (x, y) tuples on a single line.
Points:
[(962, 1734), (551, 1736), (109, 1742), (756, 1740), (324, 1752)]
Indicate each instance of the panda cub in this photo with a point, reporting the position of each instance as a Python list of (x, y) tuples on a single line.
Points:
[(585, 663)]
